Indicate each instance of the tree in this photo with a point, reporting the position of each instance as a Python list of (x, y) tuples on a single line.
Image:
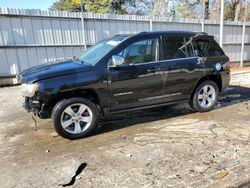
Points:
[(214, 9), (149, 7), (171, 8), (65, 5), (237, 10), (206, 11), (138, 7), (99, 6), (96, 6), (187, 8), (233, 10), (159, 8)]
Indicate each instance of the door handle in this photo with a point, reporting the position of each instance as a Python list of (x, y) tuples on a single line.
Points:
[(154, 69)]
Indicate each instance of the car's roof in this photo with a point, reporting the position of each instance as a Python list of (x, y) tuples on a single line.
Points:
[(182, 33)]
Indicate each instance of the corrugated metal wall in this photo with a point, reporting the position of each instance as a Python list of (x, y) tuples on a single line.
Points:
[(31, 37)]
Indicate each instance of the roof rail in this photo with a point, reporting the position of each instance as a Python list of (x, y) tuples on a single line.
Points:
[(143, 32), (201, 33)]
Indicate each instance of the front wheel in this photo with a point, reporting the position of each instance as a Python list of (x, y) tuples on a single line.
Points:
[(205, 96), (74, 118)]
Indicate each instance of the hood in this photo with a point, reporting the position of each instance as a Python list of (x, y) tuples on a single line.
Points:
[(50, 70)]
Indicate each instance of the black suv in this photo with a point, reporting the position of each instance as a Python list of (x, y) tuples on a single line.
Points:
[(124, 73)]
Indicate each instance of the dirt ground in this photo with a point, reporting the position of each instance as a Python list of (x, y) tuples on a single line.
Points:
[(161, 147)]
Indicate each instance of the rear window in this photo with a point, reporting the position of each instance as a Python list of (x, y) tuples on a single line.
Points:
[(207, 48), (176, 47)]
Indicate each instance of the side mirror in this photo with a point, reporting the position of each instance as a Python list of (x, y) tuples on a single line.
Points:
[(116, 61)]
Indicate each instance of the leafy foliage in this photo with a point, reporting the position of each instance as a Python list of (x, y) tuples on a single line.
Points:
[(97, 6), (187, 8), (65, 5), (234, 9)]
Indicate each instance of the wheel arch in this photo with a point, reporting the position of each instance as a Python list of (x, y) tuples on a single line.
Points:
[(215, 78), (90, 94)]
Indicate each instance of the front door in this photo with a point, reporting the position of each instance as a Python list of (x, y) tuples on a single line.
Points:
[(139, 80)]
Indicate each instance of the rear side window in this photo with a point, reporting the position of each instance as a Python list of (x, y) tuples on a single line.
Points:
[(207, 48), (176, 47)]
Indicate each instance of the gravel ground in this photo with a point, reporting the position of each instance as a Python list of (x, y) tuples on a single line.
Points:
[(161, 147)]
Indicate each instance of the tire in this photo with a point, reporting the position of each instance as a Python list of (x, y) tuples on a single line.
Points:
[(210, 96), (74, 118)]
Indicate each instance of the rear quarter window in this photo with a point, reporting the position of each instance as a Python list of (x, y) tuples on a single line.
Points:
[(208, 48), (214, 50)]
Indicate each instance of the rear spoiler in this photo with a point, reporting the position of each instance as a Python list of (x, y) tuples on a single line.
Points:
[(202, 35)]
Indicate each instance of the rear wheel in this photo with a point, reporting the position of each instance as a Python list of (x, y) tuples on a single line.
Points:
[(205, 96), (74, 118)]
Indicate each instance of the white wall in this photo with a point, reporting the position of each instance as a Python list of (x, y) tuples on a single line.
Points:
[(31, 37)]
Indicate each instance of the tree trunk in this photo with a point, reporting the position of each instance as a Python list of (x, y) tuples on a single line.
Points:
[(237, 11), (217, 4), (159, 8), (206, 9)]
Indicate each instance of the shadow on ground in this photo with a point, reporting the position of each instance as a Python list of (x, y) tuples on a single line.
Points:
[(231, 95)]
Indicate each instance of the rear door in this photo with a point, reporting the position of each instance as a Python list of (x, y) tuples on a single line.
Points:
[(209, 48), (182, 67), (139, 81)]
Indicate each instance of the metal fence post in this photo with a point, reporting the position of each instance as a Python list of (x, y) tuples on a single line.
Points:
[(150, 24), (243, 36), (203, 16), (221, 22), (83, 27), (83, 31), (203, 25)]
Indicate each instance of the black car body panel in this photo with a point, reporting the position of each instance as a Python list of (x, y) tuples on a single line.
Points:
[(159, 82), (50, 70)]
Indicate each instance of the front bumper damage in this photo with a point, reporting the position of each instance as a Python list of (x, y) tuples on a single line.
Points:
[(36, 107), (32, 105)]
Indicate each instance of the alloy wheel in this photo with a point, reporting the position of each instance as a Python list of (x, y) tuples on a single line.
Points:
[(206, 96), (76, 118)]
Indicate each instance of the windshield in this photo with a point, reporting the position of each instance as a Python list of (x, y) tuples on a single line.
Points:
[(96, 52)]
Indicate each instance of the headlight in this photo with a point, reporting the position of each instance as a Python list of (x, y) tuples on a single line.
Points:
[(28, 90)]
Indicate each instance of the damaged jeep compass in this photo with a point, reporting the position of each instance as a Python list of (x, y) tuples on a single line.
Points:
[(124, 73)]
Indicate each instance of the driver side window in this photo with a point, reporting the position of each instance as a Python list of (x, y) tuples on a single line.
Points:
[(142, 51)]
